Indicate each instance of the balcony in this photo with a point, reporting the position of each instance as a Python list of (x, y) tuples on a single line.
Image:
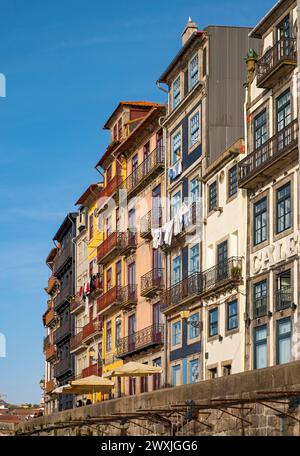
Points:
[(109, 298), (49, 317), (260, 307), (92, 329), (50, 386), (189, 224), (276, 62), (64, 294), (152, 220), (62, 332), (64, 254), (128, 242), (224, 275), (141, 340), (52, 282), (182, 292), (76, 342), (145, 172), (93, 369), (77, 305), (152, 283), (284, 298), (128, 296), (109, 248), (270, 158), (96, 284), (111, 187), (62, 367), (50, 353)]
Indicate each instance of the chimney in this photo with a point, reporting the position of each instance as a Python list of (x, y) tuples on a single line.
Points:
[(190, 28)]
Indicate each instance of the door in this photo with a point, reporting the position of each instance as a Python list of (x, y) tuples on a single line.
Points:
[(131, 227), (157, 267), (134, 170), (222, 271), (147, 165), (156, 322), (283, 37), (131, 281), (131, 332), (156, 207), (159, 146), (119, 275)]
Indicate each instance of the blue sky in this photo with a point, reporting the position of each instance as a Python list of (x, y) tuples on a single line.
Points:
[(67, 65)]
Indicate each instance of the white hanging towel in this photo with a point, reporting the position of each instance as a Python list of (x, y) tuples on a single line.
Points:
[(156, 237), (168, 230)]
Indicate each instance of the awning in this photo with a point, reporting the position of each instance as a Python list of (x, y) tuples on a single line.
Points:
[(91, 384), (135, 369)]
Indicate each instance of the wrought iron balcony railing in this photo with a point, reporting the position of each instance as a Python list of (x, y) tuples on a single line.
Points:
[(276, 61), (76, 341), (93, 369), (263, 162), (128, 295), (50, 386), (260, 307), (64, 254), (152, 220), (49, 317), (112, 296), (77, 304), (64, 294), (152, 335), (96, 284), (50, 352), (128, 241), (152, 282), (52, 282), (284, 298), (111, 246), (184, 291), (141, 176), (62, 366), (92, 329), (228, 272), (112, 187), (62, 332)]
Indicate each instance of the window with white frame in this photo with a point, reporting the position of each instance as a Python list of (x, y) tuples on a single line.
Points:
[(194, 326), (176, 270), (176, 147), (194, 190), (175, 204), (194, 71), (176, 92), (176, 333), (194, 259), (194, 129), (194, 371)]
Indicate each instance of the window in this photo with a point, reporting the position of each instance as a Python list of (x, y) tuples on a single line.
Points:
[(176, 204), (284, 290), (194, 259), (260, 299), (284, 341), (120, 128), (194, 71), (260, 221), (176, 270), (260, 347), (176, 147), (194, 129), (134, 164), (194, 371), (108, 279), (232, 315), (283, 207), (213, 372), (226, 370), (193, 325), (109, 226), (176, 375), (284, 119), (91, 226), (157, 377), (194, 190), (176, 92), (232, 181), (118, 330), (176, 333), (212, 196), (108, 337), (213, 322), (260, 129)]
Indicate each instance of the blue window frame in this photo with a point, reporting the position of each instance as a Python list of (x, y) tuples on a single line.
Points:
[(176, 147), (176, 371), (176, 270), (194, 328), (194, 190), (176, 333), (176, 204), (232, 315), (212, 196), (194, 71), (176, 92), (213, 322), (260, 347), (232, 181), (260, 221), (284, 209), (284, 341), (260, 129), (194, 371), (194, 129), (260, 299), (194, 259)]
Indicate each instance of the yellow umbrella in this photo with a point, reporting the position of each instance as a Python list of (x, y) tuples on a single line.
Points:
[(135, 369), (92, 384)]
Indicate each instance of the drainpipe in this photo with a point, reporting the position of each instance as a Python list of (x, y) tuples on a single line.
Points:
[(298, 173)]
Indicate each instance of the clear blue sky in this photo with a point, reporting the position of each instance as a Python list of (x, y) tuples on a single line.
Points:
[(67, 64)]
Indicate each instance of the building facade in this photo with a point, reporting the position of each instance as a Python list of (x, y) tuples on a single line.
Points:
[(270, 175)]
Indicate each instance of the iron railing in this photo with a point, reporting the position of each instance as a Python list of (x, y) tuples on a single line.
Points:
[(269, 152), (226, 271), (260, 307), (153, 219), (111, 187), (76, 341), (50, 352), (128, 294), (152, 335), (108, 298), (92, 328), (63, 331), (189, 287), (284, 50), (50, 386), (50, 317), (284, 298), (64, 294), (152, 281), (63, 255), (62, 366), (112, 242), (127, 240), (93, 369), (140, 175), (77, 303), (96, 283)]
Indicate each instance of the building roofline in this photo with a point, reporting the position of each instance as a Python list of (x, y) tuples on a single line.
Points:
[(64, 226), (137, 104), (264, 23), (93, 189)]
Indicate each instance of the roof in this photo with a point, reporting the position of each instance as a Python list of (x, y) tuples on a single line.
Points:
[(65, 226), (93, 189), (196, 35), (139, 104), (119, 148), (267, 21)]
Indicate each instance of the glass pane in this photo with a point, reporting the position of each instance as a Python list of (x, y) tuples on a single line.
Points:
[(261, 356)]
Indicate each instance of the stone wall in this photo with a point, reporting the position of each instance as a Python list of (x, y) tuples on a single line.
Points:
[(247, 393)]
